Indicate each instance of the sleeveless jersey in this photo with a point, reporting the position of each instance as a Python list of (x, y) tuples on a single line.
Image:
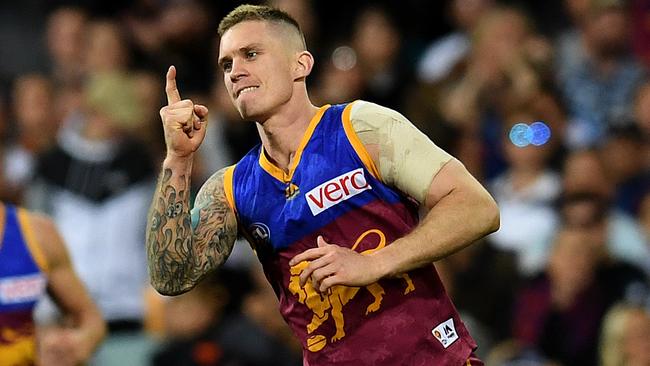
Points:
[(22, 284), (333, 189)]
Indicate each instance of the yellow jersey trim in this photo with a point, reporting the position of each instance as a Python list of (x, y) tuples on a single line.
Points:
[(357, 144), (30, 239), (280, 174), (3, 223), (228, 186)]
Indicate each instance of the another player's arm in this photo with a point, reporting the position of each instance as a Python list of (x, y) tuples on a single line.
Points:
[(75, 344), (184, 246)]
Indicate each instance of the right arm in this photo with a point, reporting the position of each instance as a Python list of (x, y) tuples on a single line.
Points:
[(184, 246)]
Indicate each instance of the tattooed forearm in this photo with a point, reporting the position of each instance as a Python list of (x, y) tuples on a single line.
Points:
[(183, 246)]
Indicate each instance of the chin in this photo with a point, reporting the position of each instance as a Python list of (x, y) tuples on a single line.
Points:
[(250, 112), (245, 112)]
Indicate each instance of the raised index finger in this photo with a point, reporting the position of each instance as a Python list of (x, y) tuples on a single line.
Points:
[(170, 87)]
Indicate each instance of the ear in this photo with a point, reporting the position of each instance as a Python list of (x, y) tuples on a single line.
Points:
[(303, 65)]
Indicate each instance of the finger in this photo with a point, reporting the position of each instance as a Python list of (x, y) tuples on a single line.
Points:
[(196, 122), (307, 255), (321, 242), (188, 130), (200, 133), (182, 112), (201, 111), (330, 281), (322, 273), (170, 87), (313, 266), (200, 116)]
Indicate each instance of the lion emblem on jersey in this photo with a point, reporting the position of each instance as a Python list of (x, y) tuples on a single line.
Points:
[(331, 304)]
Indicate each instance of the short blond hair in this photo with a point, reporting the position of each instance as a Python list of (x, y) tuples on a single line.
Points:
[(264, 13)]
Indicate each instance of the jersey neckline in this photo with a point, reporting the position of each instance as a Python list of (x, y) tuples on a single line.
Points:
[(280, 174)]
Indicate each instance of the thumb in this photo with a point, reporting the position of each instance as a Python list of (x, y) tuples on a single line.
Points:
[(321, 242)]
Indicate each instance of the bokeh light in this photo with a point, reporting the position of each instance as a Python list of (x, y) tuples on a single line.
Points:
[(537, 134)]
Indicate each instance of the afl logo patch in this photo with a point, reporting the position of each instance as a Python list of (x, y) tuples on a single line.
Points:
[(260, 232)]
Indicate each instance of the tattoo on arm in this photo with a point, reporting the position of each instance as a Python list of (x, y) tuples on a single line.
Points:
[(184, 246)]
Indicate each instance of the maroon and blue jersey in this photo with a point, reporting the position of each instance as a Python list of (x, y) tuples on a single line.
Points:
[(22, 284), (333, 189)]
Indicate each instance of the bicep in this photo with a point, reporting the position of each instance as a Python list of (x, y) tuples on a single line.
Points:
[(405, 157), (214, 222), (63, 284), (453, 177)]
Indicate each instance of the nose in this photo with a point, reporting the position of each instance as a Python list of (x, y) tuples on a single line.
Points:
[(237, 70)]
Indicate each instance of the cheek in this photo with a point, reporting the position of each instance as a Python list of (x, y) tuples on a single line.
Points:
[(281, 71), (227, 83), (281, 83), (227, 92)]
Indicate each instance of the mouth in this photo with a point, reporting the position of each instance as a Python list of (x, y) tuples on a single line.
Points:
[(245, 90)]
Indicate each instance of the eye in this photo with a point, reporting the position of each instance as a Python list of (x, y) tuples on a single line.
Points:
[(226, 66), (251, 54)]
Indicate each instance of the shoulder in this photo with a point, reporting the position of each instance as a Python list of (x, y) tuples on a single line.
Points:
[(217, 181), (217, 188), (368, 115), (372, 113), (217, 176), (48, 239)]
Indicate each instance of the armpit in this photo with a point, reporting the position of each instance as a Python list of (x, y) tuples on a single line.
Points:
[(405, 157)]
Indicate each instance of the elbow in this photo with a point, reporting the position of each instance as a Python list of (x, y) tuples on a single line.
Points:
[(166, 290), (170, 288), (168, 284), (163, 290), (492, 217), (102, 330)]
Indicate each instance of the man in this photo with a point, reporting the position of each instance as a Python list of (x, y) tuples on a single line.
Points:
[(597, 72), (87, 182), (326, 202), (33, 258)]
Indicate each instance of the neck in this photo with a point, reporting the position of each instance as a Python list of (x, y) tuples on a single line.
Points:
[(281, 133)]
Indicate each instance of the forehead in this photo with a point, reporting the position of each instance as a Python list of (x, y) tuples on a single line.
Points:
[(247, 33)]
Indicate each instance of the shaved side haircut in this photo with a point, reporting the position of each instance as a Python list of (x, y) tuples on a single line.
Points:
[(264, 13)]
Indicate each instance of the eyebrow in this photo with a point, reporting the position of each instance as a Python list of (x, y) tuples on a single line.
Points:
[(243, 49)]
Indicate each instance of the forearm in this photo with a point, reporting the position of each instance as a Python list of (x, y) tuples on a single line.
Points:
[(456, 221), (184, 246), (169, 231), (92, 329)]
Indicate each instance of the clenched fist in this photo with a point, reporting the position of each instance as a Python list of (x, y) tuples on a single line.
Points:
[(183, 121)]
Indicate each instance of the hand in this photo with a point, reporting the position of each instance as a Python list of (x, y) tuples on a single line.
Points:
[(62, 347), (335, 265), (184, 122)]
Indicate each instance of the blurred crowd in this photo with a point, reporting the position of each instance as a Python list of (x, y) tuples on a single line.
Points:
[(563, 282)]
